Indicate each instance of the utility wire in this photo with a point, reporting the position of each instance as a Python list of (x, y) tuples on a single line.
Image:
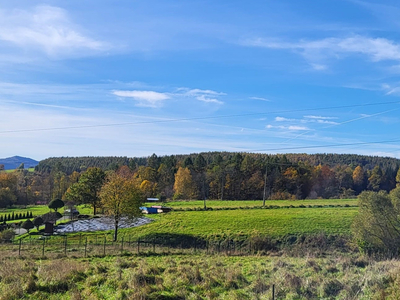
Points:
[(328, 145), (197, 118)]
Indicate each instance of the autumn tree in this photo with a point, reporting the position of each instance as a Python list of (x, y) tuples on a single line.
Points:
[(359, 177), (148, 188), (120, 198), (8, 189), (184, 186), (375, 179)]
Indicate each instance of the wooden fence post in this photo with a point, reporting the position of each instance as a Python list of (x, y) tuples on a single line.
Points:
[(65, 245), (273, 292), (122, 244), (19, 248), (44, 241), (85, 246), (104, 247)]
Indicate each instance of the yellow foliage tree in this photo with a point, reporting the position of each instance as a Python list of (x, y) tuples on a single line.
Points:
[(120, 197), (184, 186)]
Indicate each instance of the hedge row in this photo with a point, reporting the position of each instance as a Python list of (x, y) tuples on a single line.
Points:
[(17, 216), (260, 207)]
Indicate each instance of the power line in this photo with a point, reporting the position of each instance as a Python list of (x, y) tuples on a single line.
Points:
[(329, 145), (197, 118)]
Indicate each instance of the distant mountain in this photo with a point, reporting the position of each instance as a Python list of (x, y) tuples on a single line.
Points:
[(14, 162)]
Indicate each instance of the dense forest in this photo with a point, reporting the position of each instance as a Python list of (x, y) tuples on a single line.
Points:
[(213, 175)]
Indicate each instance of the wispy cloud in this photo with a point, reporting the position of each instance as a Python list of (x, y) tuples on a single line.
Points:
[(316, 51), (260, 98), (46, 29), (291, 127), (207, 96), (144, 98), (282, 119), (320, 117), (199, 91), (208, 100)]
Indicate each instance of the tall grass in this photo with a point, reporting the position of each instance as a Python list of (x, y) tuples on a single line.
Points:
[(200, 277)]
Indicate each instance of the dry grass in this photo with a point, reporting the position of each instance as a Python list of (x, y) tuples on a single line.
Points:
[(199, 277)]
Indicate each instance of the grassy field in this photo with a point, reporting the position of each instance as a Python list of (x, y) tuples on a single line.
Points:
[(243, 223), (199, 277), (38, 210), (252, 203), (13, 170)]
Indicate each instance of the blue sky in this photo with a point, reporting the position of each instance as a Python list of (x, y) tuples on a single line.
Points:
[(132, 78)]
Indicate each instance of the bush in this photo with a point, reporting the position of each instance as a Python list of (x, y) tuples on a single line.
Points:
[(28, 225), (376, 226), (7, 235)]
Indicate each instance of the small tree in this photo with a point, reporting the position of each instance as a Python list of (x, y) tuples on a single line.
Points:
[(28, 225), (377, 226), (56, 204), (120, 197), (37, 222)]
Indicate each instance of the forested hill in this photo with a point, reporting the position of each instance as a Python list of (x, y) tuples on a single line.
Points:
[(217, 175), (71, 164), (16, 161)]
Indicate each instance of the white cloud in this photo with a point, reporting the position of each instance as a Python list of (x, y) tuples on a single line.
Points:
[(208, 100), (297, 128), (260, 98), (320, 117), (377, 49), (282, 119), (199, 91), (144, 98), (46, 29), (207, 96), (292, 127)]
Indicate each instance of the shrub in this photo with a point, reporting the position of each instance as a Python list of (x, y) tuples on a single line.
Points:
[(7, 235), (28, 225), (56, 204)]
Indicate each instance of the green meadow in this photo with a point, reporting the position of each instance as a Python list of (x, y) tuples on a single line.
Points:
[(268, 222)]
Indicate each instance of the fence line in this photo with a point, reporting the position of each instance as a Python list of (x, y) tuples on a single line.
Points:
[(99, 245)]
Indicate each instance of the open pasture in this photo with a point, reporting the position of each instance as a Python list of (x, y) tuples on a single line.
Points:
[(268, 222)]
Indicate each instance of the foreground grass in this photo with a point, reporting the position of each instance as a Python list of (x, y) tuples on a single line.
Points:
[(200, 277)]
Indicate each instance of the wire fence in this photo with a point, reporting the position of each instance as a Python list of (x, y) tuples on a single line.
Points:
[(102, 245)]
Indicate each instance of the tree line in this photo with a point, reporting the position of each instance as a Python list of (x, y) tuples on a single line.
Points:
[(211, 175)]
